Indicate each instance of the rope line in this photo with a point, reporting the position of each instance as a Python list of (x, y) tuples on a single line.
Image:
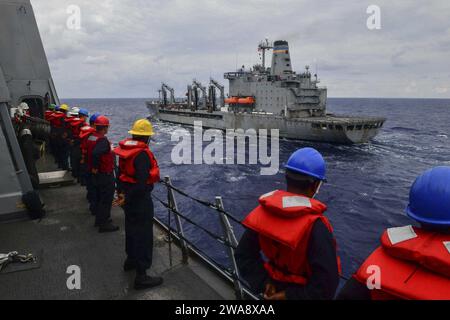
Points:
[(211, 234), (204, 202)]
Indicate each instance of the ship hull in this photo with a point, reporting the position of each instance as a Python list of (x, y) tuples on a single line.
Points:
[(332, 129)]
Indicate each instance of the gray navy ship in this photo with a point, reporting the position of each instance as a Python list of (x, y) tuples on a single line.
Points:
[(263, 97)]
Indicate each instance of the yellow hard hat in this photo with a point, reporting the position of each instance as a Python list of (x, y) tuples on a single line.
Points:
[(64, 107), (142, 127)]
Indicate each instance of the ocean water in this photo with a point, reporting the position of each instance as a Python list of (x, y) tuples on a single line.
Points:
[(368, 185)]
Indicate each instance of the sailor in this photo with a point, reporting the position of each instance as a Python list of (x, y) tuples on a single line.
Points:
[(75, 151), (412, 263), (100, 163), (22, 112), (52, 138), (86, 177), (50, 110), (138, 172), (25, 109), (30, 154), (62, 143), (288, 251)]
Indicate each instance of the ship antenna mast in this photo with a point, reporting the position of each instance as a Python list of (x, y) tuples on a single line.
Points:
[(263, 46)]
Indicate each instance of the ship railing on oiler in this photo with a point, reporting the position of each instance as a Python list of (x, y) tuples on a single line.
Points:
[(228, 238)]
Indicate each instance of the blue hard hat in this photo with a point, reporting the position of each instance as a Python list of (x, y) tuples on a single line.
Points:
[(57, 108), (83, 112), (307, 161), (429, 198), (94, 117)]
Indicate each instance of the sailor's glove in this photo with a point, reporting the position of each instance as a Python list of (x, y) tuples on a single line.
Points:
[(120, 200)]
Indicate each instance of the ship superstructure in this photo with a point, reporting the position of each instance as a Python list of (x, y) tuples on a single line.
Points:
[(261, 97)]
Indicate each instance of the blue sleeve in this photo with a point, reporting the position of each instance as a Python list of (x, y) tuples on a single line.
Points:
[(324, 279), (250, 262)]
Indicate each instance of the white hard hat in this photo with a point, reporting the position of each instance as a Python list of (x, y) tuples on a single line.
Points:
[(24, 106), (74, 111), (25, 132)]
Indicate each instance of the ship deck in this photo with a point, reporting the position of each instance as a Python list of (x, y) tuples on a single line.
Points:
[(328, 119), (66, 236)]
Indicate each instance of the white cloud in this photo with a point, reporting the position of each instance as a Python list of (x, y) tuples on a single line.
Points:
[(125, 48), (95, 60)]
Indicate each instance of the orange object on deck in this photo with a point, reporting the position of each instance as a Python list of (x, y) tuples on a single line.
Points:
[(232, 100), (247, 100)]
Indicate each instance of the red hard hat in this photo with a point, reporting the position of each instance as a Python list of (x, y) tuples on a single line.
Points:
[(102, 121)]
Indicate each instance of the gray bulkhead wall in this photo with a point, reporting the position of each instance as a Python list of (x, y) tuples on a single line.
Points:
[(14, 178), (22, 55), (24, 72)]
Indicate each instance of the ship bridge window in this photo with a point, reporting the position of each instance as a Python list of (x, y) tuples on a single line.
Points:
[(359, 127), (324, 127), (315, 125), (350, 128), (339, 127), (330, 126)]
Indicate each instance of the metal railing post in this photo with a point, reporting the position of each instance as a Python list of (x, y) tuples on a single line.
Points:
[(229, 234), (180, 231)]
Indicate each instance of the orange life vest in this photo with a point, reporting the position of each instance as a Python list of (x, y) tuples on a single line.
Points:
[(106, 164), (76, 125), (127, 151), (413, 266), (48, 114), (284, 222), (85, 132), (57, 118)]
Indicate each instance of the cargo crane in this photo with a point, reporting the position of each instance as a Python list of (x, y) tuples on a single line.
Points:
[(164, 89), (215, 84), (197, 85), (262, 48)]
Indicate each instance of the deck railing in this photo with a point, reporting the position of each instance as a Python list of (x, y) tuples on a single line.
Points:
[(227, 238)]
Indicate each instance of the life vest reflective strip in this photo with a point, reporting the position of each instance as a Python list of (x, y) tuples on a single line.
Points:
[(127, 151), (416, 268), (284, 222), (106, 164)]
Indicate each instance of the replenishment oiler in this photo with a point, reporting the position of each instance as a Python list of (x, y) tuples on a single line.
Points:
[(275, 97)]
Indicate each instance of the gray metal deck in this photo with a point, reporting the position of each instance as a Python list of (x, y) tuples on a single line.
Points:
[(67, 237)]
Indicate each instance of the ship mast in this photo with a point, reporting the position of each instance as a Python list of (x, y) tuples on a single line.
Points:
[(263, 46)]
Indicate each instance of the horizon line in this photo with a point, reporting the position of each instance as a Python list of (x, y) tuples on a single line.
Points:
[(412, 98)]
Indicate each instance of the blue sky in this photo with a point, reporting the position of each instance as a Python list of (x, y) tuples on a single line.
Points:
[(126, 48)]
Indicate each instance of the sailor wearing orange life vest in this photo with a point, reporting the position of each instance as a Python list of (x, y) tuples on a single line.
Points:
[(49, 112), (61, 137), (78, 122), (86, 177), (100, 163), (138, 172), (288, 251), (412, 263)]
